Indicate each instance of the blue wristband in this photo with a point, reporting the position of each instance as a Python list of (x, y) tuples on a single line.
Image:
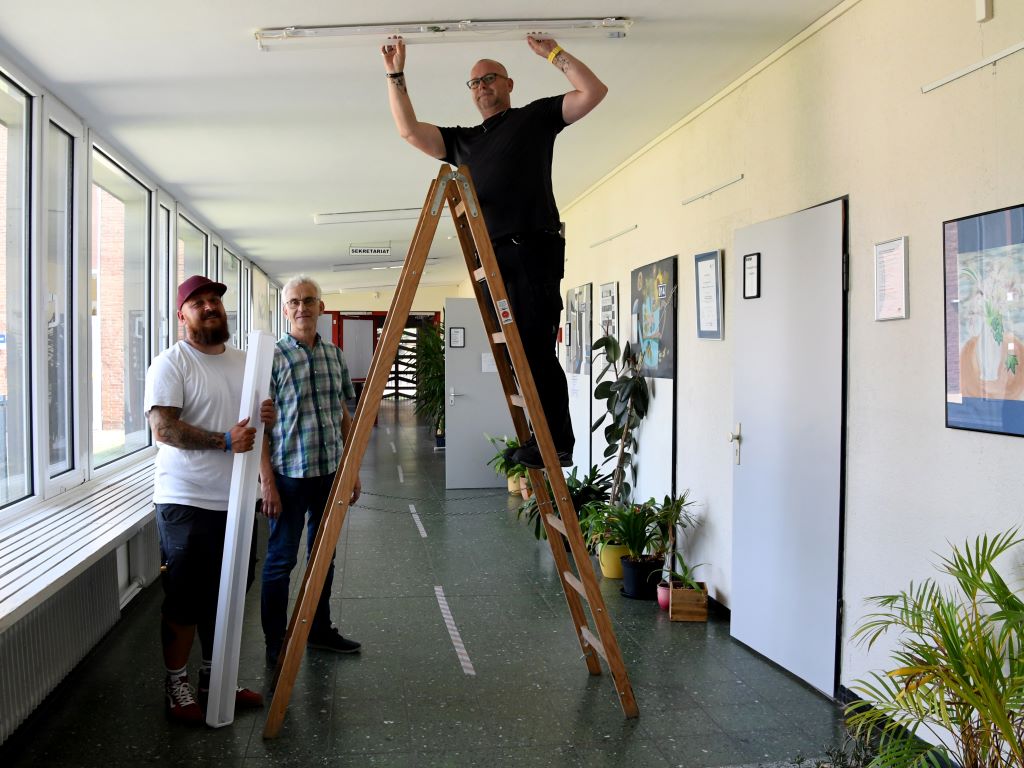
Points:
[(227, 442)]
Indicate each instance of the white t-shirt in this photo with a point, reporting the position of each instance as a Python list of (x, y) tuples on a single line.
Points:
[(208, 389)]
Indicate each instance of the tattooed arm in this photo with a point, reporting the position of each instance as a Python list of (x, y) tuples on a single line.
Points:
[(589, 90), (424, 136), (168, 428)]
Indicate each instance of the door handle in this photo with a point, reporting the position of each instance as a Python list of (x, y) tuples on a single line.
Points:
[(736, 438), (452, 394)]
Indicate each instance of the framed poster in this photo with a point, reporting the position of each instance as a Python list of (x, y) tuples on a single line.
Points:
[(610, 309), (653, 311), (891, 291), (578, 323), (708, 269), (984, 271), (752, 276), (456, 337)]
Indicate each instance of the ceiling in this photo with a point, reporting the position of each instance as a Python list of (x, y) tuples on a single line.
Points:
[(255, 143)]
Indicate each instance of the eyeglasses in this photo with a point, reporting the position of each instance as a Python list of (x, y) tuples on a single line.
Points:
[(487, 79), (307, 302)]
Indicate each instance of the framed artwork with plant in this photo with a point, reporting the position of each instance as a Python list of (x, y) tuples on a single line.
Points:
[(984, 271)]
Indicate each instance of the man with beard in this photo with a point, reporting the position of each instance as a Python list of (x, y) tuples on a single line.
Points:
[(193, 394), (509, 154), (309, 384)]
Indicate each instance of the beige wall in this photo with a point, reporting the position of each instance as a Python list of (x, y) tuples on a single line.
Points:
[(429, 298), (840, 113)]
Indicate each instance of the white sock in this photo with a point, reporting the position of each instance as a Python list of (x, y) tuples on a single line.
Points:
[(174, 675)]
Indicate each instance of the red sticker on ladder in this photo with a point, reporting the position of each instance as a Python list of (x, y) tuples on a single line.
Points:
[(504, 312)]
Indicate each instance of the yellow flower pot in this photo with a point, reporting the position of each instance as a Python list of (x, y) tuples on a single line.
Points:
[(611, 560)]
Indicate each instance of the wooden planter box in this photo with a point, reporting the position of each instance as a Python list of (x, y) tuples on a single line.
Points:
[(688, 604)]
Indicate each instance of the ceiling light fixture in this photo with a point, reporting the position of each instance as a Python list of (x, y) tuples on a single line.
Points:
[(363, 217), (355, 266), (440, 31)]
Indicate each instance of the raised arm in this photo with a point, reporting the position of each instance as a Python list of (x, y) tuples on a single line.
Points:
[(589, 90), (424, 136)]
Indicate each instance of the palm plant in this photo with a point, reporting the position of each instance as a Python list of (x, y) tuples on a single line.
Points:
[(628, 399), (959, 674)]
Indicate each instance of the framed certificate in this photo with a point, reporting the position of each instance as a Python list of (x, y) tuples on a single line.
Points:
[(708, 269), (456, 336), (891, 289), (752, 276)]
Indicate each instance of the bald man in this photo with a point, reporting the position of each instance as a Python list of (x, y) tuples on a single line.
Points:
[(509, 155)]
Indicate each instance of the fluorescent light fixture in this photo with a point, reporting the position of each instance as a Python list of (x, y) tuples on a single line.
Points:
[(355, 266), (440, 31), (364, 217)]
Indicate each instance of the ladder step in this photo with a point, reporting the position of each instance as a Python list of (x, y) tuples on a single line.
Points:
[(594, 642), (498, 338), (556, 523), (479, 275), (518, 400), (460, 209), (575, 583)]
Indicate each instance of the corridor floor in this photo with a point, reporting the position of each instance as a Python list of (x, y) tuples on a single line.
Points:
[(407, 700)]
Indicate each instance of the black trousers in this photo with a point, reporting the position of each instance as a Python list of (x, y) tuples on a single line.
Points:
[(531, 267)]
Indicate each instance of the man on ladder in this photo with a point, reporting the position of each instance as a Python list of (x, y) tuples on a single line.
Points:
[(509, 155)]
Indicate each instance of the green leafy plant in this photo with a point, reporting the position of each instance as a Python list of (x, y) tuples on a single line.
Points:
[(635, 526), (627, 399), (502, 465), (674, 513), (430, 374), (683, 573), (583, 491), (959, 667)]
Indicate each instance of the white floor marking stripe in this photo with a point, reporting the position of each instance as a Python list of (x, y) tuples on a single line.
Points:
[(388, 430), (393, 449), (401, 474), (453, 631), (419, 523)]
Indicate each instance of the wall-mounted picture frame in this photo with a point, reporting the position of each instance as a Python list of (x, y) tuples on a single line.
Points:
[(708, 285), (610, 309), (653, 312), (984, 314), (892, 292), (752, 276), (456, 337)]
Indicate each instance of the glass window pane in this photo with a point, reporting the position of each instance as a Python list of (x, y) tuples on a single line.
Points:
[(163, 269), (260, 301), (118, 291), (59, 190), (191, 257), (15, 445), (232, 275)]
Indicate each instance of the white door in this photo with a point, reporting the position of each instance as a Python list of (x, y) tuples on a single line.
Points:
[(788, 402), (474, 400)]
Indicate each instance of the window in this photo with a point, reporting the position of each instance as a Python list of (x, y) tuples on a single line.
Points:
[(163, 271), (57, 262), (15, 406), (118, 289), (232, 275), (191, 257), (260, 301)]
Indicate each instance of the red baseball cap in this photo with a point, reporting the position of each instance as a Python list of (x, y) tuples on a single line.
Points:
[(196, 282)]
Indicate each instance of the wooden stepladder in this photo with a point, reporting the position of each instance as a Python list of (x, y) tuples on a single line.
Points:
[(558, 515)]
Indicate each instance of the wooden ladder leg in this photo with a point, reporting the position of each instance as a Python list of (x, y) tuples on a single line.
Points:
[(514, 371), (355, 448)]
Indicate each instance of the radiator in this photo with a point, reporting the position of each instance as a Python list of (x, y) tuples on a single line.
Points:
[(37, 652)]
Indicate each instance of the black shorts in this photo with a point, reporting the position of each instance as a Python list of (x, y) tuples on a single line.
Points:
[(191, 550)]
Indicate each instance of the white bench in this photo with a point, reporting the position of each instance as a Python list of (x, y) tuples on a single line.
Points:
[(47, 548)]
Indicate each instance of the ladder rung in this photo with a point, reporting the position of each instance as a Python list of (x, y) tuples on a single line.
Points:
[(479, 275), (594, 642), (460, 208), (517, 400), (575, 583), (498, 338), (556, 523)]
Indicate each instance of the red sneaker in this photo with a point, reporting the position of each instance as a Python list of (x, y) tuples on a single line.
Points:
[(181, 702), (245, 698)]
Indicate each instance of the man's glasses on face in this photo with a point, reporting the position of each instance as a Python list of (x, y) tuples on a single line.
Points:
[(487, 79), (307, 302)]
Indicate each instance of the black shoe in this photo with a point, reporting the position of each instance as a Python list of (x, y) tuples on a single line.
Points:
[(331, 640), (272, 654), (529, 457), (509, 453)]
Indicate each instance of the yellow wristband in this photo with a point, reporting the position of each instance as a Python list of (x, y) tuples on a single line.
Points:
[(554, 52)]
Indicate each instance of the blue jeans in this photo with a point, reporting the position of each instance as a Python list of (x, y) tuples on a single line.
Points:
[(300, 496)]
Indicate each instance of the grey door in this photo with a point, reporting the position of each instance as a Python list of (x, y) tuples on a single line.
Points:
[(788, 401), (474, 401)]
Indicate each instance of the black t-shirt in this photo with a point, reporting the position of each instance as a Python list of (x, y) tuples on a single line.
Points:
[(509, 156)]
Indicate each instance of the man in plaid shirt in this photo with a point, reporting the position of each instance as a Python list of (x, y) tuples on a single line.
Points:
[(309, 385)]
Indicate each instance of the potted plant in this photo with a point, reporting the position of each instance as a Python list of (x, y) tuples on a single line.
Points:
[(685, 598), (590, 488), (635, 526), (502, 464), (674, 515), (958, 673), (430, 377)]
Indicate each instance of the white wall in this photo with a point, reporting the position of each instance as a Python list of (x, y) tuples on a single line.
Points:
[(839, 113), (429, 298)]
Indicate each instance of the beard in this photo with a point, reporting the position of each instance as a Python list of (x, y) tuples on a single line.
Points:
[(209, 335)]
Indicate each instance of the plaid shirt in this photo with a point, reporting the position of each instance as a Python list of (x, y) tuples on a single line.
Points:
[(309, 387)]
